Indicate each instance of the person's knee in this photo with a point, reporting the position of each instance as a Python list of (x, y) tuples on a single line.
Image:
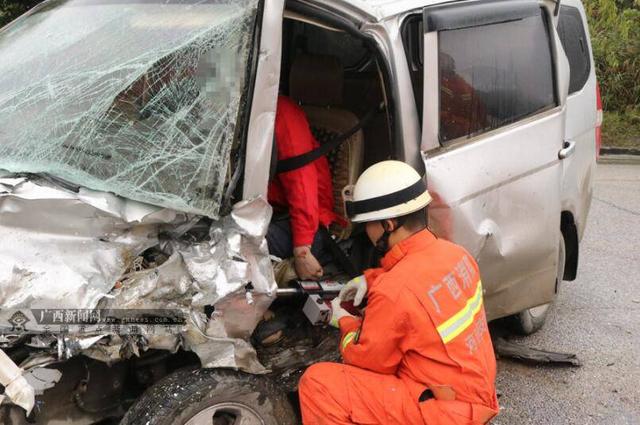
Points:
[(279, 239), (317, 377)]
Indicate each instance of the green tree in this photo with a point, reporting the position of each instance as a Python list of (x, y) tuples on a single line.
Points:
[(615, 36), (11, 9)]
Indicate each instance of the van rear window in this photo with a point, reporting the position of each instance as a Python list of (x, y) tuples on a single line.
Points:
[(574, 42), (494, 75)]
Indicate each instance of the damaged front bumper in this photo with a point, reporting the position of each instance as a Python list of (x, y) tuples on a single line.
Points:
[(90, 273)]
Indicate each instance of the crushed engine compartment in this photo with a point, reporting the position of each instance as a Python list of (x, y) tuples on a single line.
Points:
[(90, 274)]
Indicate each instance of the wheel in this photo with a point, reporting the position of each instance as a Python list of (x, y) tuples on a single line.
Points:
[(211, 397), (532, 319)]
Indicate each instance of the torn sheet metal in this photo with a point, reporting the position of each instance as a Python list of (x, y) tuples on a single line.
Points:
[(217, 349), (41, 378), (154, 122), (163, 287), (71, 266), (62, 249), (231, 271)]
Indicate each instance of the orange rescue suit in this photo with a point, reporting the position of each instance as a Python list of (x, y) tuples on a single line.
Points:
[(424, 337)]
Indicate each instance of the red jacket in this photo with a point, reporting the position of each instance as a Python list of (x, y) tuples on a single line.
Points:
[(425, 324), (306, 192)]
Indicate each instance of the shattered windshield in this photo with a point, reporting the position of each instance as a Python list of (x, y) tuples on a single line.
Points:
[(140, 98)]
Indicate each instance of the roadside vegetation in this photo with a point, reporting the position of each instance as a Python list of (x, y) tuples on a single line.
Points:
[(615, 35), (11, 9), (621, 129)]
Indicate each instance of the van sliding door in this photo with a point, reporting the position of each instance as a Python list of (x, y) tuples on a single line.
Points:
[(493, 124), (579, 170)]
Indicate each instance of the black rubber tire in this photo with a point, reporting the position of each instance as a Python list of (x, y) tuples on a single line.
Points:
[(177, 398), (532, 319)]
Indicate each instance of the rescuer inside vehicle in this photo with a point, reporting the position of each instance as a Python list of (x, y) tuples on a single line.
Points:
[(422, 353), (302, 198)]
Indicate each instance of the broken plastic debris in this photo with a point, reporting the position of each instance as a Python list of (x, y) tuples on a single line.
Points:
[(512, 350), (15, 385)]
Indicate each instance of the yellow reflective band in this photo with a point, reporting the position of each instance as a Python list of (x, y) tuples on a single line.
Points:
[(348, 339), (462, 319)]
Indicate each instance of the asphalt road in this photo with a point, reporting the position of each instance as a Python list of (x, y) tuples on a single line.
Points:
[(597, 316)]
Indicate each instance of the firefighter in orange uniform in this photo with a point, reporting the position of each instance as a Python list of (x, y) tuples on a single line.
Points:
[(422, 353)]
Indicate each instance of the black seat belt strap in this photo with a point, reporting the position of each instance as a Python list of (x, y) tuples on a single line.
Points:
[(301, 160), (274, 157)]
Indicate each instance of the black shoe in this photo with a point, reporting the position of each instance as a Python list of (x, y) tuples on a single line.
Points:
[(269, 332)]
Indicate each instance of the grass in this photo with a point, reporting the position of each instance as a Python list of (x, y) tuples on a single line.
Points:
[(621, 129)]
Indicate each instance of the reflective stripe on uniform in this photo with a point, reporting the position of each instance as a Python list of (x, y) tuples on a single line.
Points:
[(348, 339), (463, 318)]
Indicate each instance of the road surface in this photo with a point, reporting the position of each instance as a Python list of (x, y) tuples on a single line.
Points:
[(597, 316)]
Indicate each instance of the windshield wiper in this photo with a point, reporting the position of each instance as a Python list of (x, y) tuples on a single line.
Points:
[(57, 181)]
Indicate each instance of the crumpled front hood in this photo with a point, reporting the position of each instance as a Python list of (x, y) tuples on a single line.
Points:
[(67, 252)]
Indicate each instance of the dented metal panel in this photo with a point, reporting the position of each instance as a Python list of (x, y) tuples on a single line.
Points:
[(66, 249), (499, 197), (71, 253), (497, 191)]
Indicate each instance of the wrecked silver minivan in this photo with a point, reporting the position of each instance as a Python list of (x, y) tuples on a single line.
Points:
[(136, 142)]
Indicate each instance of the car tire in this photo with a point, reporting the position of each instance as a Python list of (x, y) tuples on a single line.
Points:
[(211, 397), (532, 319)]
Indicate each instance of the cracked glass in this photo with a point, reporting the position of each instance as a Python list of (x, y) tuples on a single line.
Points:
[(140, 98)]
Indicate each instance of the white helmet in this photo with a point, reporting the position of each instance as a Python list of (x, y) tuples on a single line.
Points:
[(386, 190)]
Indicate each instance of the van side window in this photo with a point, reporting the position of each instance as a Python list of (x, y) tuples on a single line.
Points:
[(494, 75), (574, 42)]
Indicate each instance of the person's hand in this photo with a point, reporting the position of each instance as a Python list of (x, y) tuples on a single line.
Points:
[(306, 265), (355, 290), (337, 312)]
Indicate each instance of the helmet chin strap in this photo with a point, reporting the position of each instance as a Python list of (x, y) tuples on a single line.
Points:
[(382, 244)]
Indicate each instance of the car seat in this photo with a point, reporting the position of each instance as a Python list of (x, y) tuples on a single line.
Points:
[(316, 83)]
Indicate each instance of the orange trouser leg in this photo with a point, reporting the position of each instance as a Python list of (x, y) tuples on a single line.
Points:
[(337, 394)]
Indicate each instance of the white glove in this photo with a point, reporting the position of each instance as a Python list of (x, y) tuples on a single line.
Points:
[(355, 290), (337, 312)]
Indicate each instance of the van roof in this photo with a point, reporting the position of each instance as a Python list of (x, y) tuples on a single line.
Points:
[(377, 10)]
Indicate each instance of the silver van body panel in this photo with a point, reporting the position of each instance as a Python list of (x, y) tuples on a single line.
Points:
[(407, 127), (499, 194), (374, 10), (505, 210), (263, 106), (579, 169)]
